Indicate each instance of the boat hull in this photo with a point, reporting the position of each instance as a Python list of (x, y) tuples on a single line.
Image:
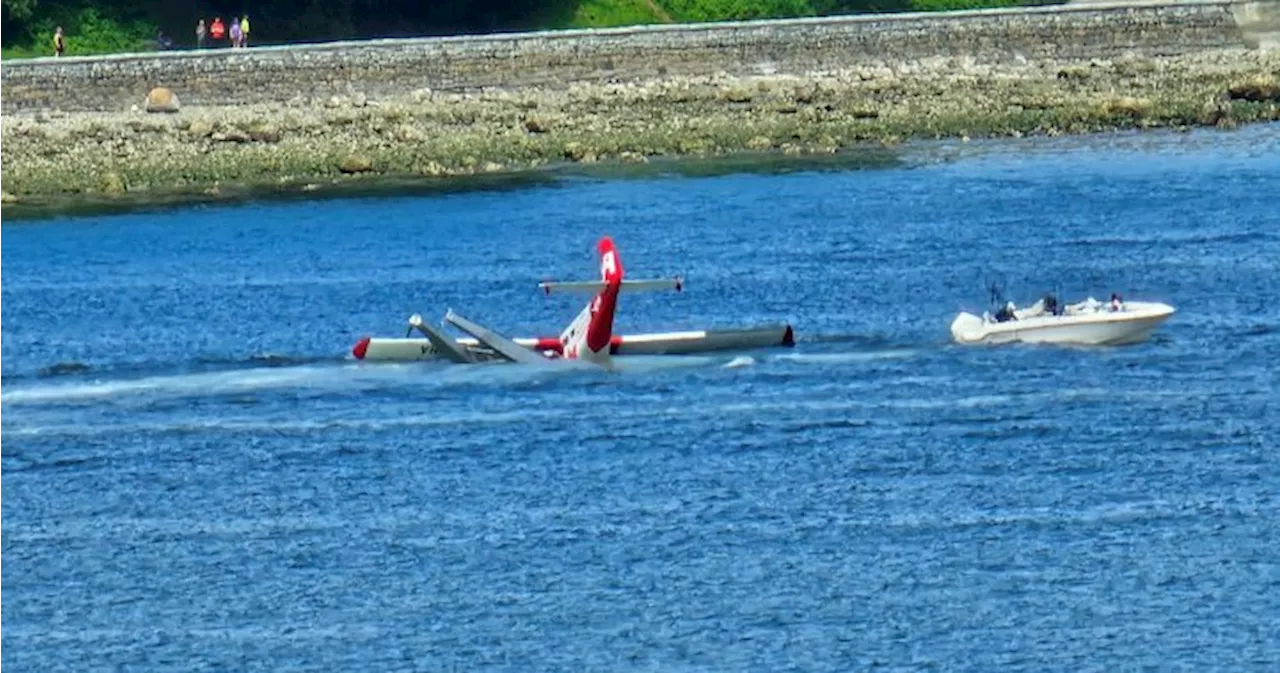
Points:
[(1133, 325), (663, 343)]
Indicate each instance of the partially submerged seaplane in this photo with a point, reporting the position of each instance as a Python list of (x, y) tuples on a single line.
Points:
[(589, 337)]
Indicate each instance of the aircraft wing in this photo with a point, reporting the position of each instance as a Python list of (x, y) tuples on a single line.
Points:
[(666, 343), (500, 344), (443, 345)]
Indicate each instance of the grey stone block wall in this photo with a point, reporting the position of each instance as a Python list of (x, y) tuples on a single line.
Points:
[(382, 68)]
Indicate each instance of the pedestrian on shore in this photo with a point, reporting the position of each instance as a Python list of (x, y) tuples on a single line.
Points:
[(235, 33), (217, 30), (244, 31), (201, 32), (59, 44)]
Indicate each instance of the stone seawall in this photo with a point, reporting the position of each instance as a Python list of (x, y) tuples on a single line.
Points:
[(389, 68)]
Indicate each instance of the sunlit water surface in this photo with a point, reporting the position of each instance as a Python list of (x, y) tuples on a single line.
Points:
[(196, 475)]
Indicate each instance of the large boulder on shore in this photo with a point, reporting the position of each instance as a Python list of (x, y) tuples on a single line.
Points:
[(356, 163), (161, 99)]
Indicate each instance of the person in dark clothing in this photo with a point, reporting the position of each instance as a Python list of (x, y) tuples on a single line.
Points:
[(1005, 313), (1051, 305)]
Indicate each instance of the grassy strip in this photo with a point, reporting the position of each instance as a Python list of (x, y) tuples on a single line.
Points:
[(608, 13)]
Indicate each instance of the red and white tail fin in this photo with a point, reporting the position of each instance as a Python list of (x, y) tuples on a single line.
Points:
[(588, 336), (610, 264)]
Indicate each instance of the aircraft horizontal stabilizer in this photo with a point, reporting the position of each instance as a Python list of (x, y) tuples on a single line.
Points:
[(595, 286), (498, 343)]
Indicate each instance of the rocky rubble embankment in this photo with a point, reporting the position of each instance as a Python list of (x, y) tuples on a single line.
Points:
[(302, 142)]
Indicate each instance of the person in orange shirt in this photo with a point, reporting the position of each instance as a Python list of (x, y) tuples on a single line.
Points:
[(216, 30)]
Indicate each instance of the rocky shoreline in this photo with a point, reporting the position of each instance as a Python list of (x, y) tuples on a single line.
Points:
[(303, 144)]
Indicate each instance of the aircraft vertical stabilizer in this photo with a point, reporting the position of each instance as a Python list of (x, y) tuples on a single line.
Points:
[(587, 337)]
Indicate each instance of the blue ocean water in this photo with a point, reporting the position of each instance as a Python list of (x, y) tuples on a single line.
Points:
[(196, 475)]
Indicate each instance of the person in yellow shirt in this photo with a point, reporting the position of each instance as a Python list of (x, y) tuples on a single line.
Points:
[(244, 31)]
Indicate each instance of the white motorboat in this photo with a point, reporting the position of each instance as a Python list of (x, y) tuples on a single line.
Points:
[(1088, 323)]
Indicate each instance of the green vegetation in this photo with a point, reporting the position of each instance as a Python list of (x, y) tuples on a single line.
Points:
[(29, 27), (605, 13), (736, 10), (951, 5), (112, 26)]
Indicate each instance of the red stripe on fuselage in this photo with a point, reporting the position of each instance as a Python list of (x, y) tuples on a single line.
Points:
[(553, 344), (600, 332)]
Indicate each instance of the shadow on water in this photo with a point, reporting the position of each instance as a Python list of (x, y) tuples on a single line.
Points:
[(763, 163), (70, 205), (760, 163)]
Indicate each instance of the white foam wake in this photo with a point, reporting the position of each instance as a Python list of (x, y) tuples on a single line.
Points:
[(848, 357), (206, 383)]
